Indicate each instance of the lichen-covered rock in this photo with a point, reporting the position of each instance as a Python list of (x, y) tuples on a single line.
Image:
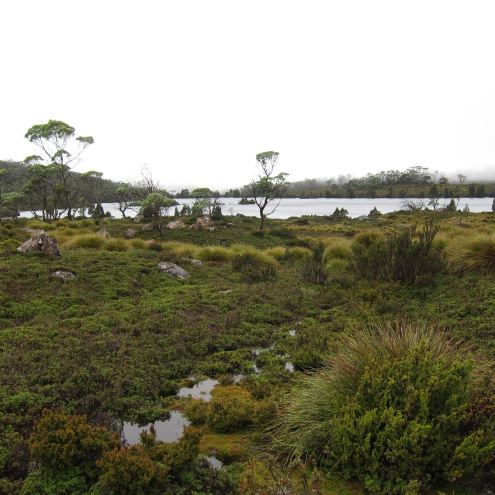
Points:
[(130, 233), (64, 275), (147, 226), (173, 270), (103, 233), (175, 225), (40, 243), (203, 223)]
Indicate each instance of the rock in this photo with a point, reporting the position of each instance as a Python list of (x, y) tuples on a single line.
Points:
[(193, 261), (173, 270), (204, 223), (225, 292), (147, 226), (130, 233), (42, 243), (138, 218), (103, 233), (64, 275), (230, 224), (177, 224)]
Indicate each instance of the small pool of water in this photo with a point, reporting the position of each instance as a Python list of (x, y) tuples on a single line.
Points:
[(201, 390), (168, 431)]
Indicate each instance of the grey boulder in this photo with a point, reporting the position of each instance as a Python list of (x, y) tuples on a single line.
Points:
[(40, 243), (173, 270)]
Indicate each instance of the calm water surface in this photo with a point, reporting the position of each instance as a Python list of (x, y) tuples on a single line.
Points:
[(294, 207)]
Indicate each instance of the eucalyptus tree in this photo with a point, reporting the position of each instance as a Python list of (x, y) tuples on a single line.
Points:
[(270, 187), (94, 182), (62, 149), (125, 196)]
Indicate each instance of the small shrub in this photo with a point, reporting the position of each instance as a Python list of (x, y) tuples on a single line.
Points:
[(406, 256), (155, 246), (396, 407), (314, 269), (138, 244), (230, 409), (196, 411), (254, 266)]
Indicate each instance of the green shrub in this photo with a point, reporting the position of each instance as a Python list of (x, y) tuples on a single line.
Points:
[(254, 266), (230, 409), (315, 270), (406, 256), (138, 244), (397, 407), (196, 411)]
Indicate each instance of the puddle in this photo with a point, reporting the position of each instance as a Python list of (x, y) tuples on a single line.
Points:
[(202, 390), (167, 431)]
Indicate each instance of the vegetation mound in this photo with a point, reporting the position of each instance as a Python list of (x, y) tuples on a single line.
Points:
[(398, 408)]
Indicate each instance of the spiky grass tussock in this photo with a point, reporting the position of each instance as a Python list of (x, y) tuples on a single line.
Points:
[(473, 254), (402, 392)]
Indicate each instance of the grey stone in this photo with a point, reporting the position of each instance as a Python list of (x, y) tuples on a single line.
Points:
[(173, 270), (176, 224), (64, 275), (41, 243)]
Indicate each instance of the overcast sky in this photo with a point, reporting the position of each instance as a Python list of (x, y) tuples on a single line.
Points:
[(196, 88)]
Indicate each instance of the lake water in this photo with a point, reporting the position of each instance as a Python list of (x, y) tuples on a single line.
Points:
[(294, 207)]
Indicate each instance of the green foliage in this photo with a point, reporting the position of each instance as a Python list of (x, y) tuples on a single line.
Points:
[(406, 256), (154, 205), (396, 408), (476, 253), (315, 270), (230, 409), (254, 267)]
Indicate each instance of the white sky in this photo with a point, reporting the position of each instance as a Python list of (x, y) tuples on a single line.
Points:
[(196, 88)]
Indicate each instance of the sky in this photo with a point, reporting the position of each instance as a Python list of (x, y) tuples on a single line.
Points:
[(195, 88)]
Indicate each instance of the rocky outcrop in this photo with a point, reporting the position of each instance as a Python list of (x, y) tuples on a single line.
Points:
[(64, 275), (173, 270), (130, 233), (203, 223), (40, 243), (175, 225), (103, 233)]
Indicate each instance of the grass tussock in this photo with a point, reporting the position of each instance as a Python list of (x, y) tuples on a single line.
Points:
[(474, 254), (86, 241), (404, 386)]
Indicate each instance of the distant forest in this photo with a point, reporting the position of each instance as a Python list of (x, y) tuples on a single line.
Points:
[(415, 182)]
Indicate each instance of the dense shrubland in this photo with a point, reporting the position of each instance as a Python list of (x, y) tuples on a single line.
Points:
[(117, 342)]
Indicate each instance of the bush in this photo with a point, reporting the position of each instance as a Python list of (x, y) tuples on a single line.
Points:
[(230, 409), (315, 270), (254, 266), (196, 411), (406, 256), (397, 407), (475, 254)]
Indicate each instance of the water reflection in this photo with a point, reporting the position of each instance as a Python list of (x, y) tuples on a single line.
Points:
[(201, 390), (168, 431)]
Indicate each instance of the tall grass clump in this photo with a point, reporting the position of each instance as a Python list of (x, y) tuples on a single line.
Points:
[(116, 245), (91, 241), (398, 407), (253, 265), (408, 255), (315, 269), (473, 254), (215, 253)]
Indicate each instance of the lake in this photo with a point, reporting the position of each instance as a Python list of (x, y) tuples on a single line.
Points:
[(295, 207)]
